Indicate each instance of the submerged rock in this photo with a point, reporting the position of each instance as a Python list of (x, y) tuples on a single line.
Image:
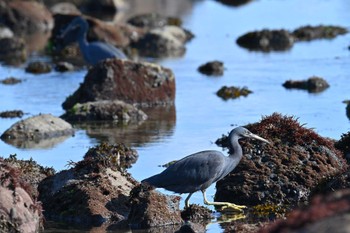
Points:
[(150, 208), (137, 83), (94, 192), (19, 211), (10, 81), (313, 84), (215, 68), (284, 172), (38, 67), (326, 213), (116, 110), (232, 92), (267, 40), (11, 114), (308, 33)]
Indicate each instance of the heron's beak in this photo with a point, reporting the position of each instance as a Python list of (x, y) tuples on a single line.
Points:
[(258, 138)]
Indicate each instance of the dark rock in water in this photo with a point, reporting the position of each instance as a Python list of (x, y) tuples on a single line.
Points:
[(19, 210), (64, 66), (267, 40), (13, 50), (215, 68), (151, 20), (38, 127), (25, 17), (232, 92), (344, 145), (234, 2), (168, 41), (10, 81), (116, 110), (11, 114), (150, 208), (38, 67), (326, 213), (94, 192), (143, 84), (313, 84), (308, 33), (284, 172), (197, 213), (348, 110)]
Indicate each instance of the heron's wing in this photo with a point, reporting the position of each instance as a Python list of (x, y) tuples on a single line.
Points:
[(192, 173)]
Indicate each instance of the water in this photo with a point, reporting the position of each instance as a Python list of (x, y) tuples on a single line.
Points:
[(199, 116)]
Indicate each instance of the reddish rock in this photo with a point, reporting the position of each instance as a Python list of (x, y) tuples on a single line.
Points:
[(26, 16), (197, 213), (95, 191), (284, 172), (138, 83), (327, 213), (344, 143), (150, 208), (19, 211)]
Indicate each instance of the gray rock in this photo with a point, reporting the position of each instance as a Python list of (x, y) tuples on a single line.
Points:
[(38, 127), (116, 110)]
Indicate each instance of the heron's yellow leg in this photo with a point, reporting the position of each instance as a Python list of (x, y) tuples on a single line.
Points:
[(223, 204)]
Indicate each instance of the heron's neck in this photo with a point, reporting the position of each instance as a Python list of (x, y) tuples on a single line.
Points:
[(235, 149)]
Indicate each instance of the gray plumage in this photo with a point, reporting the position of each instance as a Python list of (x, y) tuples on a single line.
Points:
[(198, 171), (93, 52)]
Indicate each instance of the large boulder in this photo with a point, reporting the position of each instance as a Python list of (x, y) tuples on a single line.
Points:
[(19, 211), (144, 84), (94, 191), (285, 172), (28, 132), (26, 16)]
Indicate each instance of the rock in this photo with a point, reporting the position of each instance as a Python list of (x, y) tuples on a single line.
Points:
[(116, 110), (232, 92), (313, 84), (267, 40), (143, 84), (11, 81), (168, 41), (38, 127), (11, 114), (19, 210), (13, 50), (215, 68), (38, 67), (5, 32), (234, 3), (150, 208), (348, 110), (64, 66), (190, 227), (153, 20), (64, 8), (344, 145), (326, 213), (308, 33), (94, 192), (26, 17), (197, 213), (284, 172)]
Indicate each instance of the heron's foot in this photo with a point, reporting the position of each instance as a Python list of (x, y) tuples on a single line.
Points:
[(235, 207)]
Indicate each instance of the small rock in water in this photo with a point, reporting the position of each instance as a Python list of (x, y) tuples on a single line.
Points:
[(313, 84), (232, 92), (215, 68), (11, 114), (10, 81), (38, 67)]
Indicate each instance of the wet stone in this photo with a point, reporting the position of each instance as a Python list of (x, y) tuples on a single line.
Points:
[(284, 172), (232, 92), (313, 84), (307, 33), (215, 68), (38, 67), (11, 114), (196, 213), (64, 66), (266, 40), (10, 81)]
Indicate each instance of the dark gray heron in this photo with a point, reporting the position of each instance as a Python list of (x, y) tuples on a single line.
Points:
[(93, 52), (198, 171)]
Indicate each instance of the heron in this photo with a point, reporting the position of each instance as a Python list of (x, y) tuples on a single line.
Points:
[(93, 52), (199, 170)]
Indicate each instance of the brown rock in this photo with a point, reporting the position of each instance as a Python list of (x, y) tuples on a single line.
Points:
[(150, 208), (95, 191), (308, 33), (284, 172), (313, 84), (143, 84), (10, 81), (232, 92), (38, 67), (11, 114)]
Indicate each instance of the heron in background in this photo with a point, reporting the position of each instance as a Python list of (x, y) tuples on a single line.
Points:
[(198, 171), (93, 52)]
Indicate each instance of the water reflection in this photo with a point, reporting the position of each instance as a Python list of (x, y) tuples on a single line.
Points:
[(160, 123), (36, 144)]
